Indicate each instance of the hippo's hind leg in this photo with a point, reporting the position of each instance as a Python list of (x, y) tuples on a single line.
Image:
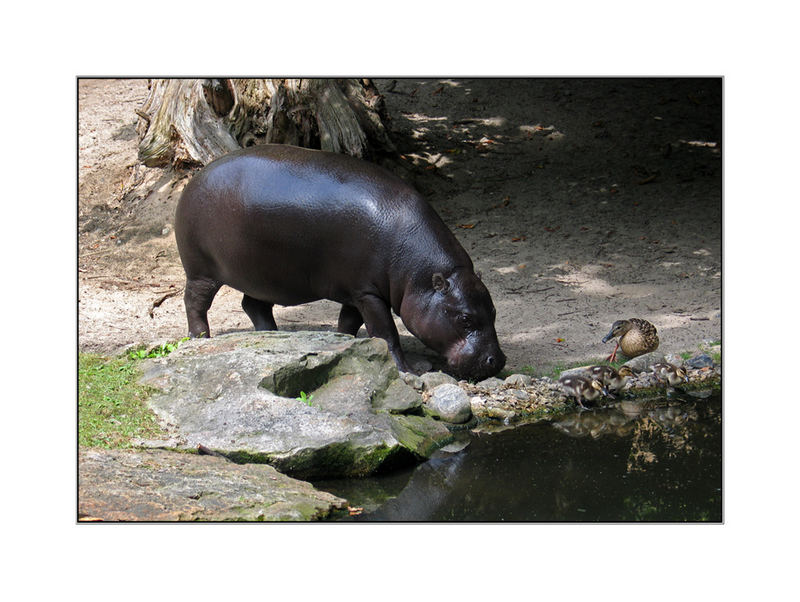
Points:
[(350, 320), (260, 312), (197, 298)]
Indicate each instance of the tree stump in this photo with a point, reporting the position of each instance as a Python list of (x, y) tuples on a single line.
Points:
[(191, 122)]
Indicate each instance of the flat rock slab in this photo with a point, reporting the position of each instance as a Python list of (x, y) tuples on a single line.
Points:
[(158, 485), (237, 394)]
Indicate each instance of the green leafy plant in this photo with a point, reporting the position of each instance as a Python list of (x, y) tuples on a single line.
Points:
[(160, 351), (305, 398)]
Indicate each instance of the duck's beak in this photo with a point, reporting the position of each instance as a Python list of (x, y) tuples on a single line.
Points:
[(609, 336)]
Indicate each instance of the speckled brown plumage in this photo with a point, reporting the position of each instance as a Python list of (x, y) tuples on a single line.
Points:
[(613, 380), (636, 337), (581, 387), (670, 374)]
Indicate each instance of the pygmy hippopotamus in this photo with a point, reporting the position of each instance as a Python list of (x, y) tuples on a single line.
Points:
[(287, 225)]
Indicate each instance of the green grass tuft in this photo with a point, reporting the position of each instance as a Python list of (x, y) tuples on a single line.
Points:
[(111, 404), (161, 350), (554, 371)]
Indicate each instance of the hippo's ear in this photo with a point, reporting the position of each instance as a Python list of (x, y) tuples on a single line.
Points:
[(479, 274), (440, 283)]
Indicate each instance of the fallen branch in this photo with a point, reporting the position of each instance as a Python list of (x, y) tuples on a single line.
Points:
[(160, 300)]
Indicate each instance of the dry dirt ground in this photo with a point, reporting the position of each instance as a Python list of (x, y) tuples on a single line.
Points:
[(580, 201)]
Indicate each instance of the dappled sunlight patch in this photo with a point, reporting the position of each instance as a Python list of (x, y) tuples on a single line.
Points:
[(511, 269), (583, 279), (637, 291), (587, 281), (700, 144), (418, 118), (429, 159), (486, 121), (667, 321), (549, 132)]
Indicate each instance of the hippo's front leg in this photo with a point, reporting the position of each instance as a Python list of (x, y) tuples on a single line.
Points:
[(379, 323)]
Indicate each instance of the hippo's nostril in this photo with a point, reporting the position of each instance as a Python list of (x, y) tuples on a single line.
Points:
[(491, 361)]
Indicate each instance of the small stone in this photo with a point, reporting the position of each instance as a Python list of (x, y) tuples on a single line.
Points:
[(579, 371), (431, 380), (399, 398), (519, 394), (518, 380), (412, 380), (450, 403), (500, 413), (477, 403), (700, 361), (491, 383)]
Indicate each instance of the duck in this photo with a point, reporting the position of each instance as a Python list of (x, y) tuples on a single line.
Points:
[(672, 375), (636, 337), (581, 387), (613, 379)]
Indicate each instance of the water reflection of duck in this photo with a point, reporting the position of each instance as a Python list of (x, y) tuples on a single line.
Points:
[(636, 337), (613, 379), (672, 375), (581, 387)]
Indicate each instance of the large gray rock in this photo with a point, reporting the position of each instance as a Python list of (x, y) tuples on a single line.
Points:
[(237, 394), (158, 485), (643, 362)]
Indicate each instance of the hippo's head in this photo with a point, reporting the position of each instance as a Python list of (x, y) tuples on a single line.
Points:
[(456, 319)]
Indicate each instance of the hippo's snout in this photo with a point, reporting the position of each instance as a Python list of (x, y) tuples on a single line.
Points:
[(478, 367), (495, 363)]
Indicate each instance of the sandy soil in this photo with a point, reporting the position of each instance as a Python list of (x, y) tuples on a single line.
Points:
[(580, 201)]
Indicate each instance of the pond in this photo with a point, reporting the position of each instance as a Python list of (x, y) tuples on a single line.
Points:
[(652, 461)]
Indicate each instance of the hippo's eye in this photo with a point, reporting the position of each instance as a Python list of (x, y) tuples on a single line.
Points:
[(465, 320)]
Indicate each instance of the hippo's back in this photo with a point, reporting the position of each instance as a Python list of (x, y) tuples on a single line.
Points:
[(291, 225)]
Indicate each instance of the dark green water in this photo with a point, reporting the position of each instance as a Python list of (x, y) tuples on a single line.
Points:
[(633, 462)]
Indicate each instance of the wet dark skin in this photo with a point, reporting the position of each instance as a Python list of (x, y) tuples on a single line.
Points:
[(286, 226)]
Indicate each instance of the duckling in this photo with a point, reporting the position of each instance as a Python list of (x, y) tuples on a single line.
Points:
[(672, 375), (613, 380), (582, 387), (636, 337)]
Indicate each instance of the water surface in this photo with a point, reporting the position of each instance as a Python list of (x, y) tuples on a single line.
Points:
[(632, 462)]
